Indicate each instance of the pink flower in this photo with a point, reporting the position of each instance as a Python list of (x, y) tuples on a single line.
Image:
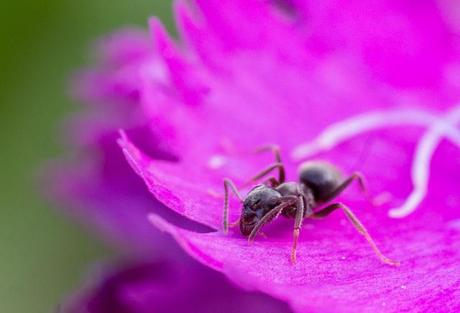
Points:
[(368, 86)]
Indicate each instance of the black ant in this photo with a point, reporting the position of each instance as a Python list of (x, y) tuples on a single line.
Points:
[(320, 182)]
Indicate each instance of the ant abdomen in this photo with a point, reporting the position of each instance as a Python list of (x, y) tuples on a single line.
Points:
[(322, 178)]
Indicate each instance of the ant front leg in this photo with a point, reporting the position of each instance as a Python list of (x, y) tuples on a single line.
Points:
[(228, 184), (297, 226), (359, 227), (272, 182), (272, 214), (355, 176)]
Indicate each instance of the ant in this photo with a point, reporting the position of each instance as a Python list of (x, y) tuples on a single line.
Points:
[(319, 183)]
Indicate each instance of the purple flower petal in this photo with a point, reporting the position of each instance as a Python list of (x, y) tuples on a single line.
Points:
[(116, 78), (336, 269), (105, 193), (142, 287), (101, 188)]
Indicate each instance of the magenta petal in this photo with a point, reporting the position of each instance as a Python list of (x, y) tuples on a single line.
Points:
[(336, 271), (103, 192), (258, 24), (181, 74), (116, 78), (403, 43), (124, 46), (178, 193), (98, 184)]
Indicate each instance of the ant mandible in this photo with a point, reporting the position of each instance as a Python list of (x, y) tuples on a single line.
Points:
[(319, 183)]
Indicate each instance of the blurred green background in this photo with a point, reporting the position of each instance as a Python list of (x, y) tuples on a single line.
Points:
[(43, 255)]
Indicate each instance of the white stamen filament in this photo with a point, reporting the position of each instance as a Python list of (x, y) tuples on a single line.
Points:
[(351, 127), (439, 128), (421, 165)]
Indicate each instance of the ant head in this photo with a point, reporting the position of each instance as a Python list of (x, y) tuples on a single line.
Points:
[(258, 202)]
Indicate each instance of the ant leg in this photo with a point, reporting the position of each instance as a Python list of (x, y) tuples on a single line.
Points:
[(298, 224), (285, 199), (276, 152), (269, 216), (228, 184), (359, 227), (267, 171), (355, 176), (272, 182), (275, 149)]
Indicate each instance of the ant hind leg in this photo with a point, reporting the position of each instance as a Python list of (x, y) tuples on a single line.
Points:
[(358, 226), (355, 176), (297, 226)]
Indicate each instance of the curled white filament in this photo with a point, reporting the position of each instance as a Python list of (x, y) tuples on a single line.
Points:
[(351, 127), (423, 154), (439, 127)]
